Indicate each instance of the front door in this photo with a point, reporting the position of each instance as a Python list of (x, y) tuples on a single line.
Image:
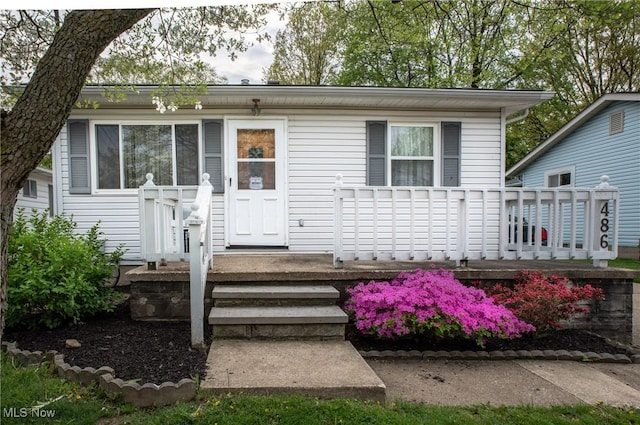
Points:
[(257, 196)]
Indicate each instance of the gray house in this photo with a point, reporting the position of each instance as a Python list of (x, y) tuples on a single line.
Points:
[(604, 139)]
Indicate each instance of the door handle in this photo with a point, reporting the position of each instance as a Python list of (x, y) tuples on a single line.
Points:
[(230, 179)]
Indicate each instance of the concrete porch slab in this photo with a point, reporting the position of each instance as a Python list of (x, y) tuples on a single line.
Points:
[(301, 268), (324, 369)]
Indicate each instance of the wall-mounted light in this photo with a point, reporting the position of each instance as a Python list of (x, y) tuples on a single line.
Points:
[(256, 108)]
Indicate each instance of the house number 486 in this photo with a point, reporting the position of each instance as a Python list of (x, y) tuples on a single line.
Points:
[(604, 225)]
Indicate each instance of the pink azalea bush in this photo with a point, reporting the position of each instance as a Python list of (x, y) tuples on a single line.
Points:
[(430, 302)]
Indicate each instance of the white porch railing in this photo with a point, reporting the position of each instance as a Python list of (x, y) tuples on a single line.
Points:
[(171, 232), (162, 214), (438, 224), (200, 257)]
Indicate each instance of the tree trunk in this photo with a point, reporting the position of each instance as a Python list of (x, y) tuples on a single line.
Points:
[(28, 131)]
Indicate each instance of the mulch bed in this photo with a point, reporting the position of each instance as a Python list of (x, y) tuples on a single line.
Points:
[(160, 351), (566, 339), (143, 351)]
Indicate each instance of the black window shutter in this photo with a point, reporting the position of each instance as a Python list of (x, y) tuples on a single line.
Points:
[(376, 153), (79, 166), (212, 140), (451, 153)]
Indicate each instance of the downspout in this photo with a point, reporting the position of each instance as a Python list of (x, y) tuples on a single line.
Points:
[(518, 117), (504, 141)]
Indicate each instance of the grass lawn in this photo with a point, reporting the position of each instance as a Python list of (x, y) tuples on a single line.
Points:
[(622, 263), (62, 402), (625, 263)]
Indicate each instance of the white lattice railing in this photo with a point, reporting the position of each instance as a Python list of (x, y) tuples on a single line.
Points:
[(438, 224), (175, 225), (200, 257), (162, 233)]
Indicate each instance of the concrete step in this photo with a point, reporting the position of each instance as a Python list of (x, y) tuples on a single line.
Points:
[(250, 291), (276, 315), (254, 295), (324, 369)]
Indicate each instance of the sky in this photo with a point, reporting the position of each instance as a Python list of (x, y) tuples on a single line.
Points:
[(250, 64)]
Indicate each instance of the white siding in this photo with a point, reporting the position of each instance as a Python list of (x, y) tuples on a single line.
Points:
[(40, 203), (320, 145), (117, 214), (481, 159), (217, 222)]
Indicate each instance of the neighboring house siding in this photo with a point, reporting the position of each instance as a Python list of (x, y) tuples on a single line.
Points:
[(40, 202), (320, 145), (593, 153)]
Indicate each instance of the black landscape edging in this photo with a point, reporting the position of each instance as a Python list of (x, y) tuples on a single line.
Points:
[(145, 395), (588, 356)]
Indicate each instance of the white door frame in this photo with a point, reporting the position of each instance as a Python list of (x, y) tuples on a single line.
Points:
[(231, 124)]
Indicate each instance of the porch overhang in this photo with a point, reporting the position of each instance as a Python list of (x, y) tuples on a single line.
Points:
[(328, 97)]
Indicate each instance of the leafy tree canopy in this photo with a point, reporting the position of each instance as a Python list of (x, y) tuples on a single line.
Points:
[(580, 49), (307, 51), (168, 47)]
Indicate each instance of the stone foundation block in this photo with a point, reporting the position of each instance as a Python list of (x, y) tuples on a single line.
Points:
[(326, 331)]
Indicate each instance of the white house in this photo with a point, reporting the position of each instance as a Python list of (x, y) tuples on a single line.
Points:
[(37, 192), (604, 139), (273, 154)]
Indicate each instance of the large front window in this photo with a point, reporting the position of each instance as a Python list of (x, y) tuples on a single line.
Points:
[(412, 155), (127, 152)]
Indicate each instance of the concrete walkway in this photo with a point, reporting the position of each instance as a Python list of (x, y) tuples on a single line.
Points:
[(518, 382), (324, 369), (330, 369)]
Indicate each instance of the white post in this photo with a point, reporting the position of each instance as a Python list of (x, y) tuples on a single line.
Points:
[(601, 224), (337, 223), (199, 251), (462, 250), (148, 224), (196, 290)]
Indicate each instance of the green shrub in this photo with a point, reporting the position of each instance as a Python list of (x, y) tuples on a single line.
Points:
[(543, 301), (56, 276)]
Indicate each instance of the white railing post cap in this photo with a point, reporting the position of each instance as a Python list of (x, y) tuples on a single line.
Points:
[(194, 210), (149, 178), (205, 179), (604, 182)]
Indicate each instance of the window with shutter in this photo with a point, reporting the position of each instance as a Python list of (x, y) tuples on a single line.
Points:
[(78, 146), (413, 154), (126, 152)]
